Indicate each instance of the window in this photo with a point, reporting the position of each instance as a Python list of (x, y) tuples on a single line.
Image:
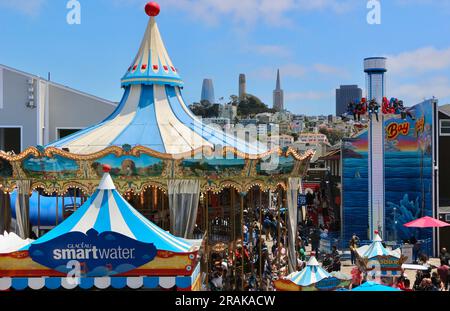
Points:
[(11, 139), (66, 132), (444, 128)]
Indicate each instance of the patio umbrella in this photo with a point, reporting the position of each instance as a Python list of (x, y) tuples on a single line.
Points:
[(374, 287), (426, 222)]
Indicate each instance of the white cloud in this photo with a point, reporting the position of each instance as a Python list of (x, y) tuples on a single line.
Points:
[(419, 61), (414, 93), (249, 12), (28, 7)]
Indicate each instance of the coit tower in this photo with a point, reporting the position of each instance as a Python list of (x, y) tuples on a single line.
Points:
[(242, 86)]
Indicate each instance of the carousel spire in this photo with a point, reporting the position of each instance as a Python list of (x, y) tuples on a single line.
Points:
[(152, 64), (312, 261), (106, 183)]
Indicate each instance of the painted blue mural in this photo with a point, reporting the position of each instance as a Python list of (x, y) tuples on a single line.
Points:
[(355, 187), (409, 173), (408, 176)]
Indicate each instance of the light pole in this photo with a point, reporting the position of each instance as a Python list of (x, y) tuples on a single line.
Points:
[(395, 224)]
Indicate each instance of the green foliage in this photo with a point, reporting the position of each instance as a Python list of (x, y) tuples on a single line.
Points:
[(249, 106), (205, 109), (334, 136)]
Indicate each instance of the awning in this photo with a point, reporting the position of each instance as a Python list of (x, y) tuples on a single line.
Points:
[(37, 283)]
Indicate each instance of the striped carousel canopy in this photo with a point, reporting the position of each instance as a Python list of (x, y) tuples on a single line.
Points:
[(106, 210), (311, 274), (376, 248), (152, 112)]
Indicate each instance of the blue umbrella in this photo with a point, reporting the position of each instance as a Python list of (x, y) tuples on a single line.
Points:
[(375, 287)]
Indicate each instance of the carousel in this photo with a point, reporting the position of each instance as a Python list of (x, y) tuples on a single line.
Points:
[(106, 243), (378, 263), (312, 278), (186, 177)]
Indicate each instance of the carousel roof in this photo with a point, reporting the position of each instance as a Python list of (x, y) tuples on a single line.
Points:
[(311, 274), (106, 210), (376, 248), (11, 242), (152, 112)]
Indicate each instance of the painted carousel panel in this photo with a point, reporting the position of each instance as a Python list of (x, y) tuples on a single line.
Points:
[(55, 167), (5, 168), (130, 166), (228, 166), (274, 165)]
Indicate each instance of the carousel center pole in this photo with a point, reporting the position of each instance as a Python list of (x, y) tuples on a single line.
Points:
[(206, 208), (278, 229), (251, 209), (233, 235), (260, 236), (74, 199), (242, 240), (39, 214), (57, 209)]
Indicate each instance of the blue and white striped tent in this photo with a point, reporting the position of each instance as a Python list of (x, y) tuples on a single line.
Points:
[(152, 112), (311, 274), (147, 282), (375, 249), (106, 210)]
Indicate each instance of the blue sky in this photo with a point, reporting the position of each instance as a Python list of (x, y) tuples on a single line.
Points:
[(317, 45)]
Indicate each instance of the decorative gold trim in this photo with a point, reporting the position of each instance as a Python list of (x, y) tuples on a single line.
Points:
[(19, 157), (135, 151), (300, 157)]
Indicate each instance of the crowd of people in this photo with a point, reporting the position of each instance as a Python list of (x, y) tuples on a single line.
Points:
[(256, 254), (358, 108), (262, 256), (434, 278)]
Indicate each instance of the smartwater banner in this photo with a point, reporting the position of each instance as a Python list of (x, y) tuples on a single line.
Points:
[(97, 255)]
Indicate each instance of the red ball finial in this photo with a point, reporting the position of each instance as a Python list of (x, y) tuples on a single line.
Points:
[(106, 168), (152, 9)]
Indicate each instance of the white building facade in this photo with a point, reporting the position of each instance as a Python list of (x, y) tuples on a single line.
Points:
[(35, 111)]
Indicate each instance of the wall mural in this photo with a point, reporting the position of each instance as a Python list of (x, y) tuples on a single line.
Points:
[(409, 172), (355, 187), (408, 176)]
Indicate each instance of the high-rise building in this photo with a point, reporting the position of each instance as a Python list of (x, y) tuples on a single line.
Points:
[(242, 86), (208, 91), (344, 95), (375, 69), (278, 95)]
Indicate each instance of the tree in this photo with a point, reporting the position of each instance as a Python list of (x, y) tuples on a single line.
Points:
[(205, 109), (250, 105), (334, 136)]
